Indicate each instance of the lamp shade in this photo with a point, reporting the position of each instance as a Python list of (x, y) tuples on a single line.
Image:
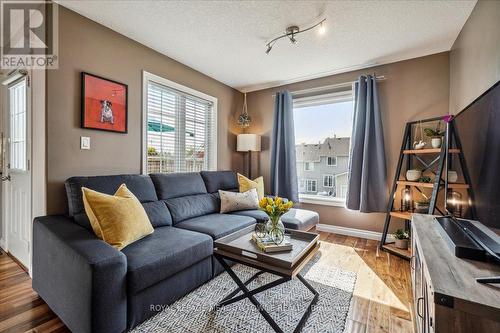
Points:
[(248, 142)]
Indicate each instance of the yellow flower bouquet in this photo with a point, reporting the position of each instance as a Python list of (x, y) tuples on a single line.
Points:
[(275, 208)]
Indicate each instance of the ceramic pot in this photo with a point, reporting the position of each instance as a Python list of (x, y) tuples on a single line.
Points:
[(402, 244), (413, 175), (436, 142), (452, 176)]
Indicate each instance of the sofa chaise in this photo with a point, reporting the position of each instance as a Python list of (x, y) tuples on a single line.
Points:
[(93, 287)]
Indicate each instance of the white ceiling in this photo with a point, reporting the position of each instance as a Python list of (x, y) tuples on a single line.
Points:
[(226, 39)]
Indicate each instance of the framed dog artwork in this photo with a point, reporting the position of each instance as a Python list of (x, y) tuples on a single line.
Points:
[(104, 104)]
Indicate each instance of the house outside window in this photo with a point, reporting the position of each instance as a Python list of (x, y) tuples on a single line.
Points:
[(323, 127), (331, 161), (179, 126)]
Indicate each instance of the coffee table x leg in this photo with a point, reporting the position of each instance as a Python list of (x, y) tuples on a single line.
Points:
[(246, 293)]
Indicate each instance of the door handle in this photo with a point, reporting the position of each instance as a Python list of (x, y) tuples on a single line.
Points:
[(418, 307), (5, 178), (412, 261)]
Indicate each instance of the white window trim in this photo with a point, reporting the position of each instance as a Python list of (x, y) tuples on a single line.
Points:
[(332, 165), (333, 180), (147, 77), (310, 180), (318, 99), (310, 163), (319, 200)]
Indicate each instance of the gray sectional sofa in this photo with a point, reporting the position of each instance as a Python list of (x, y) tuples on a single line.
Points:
[(93, 287)]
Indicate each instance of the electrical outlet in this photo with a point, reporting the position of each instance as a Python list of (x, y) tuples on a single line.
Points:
[(85, 142)]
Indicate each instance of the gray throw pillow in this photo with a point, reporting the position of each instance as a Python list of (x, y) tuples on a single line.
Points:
[(234, 201)]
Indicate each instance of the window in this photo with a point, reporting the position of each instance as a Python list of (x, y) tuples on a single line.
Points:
[(310, 185), (180, 127), (323, 126), (331, 161), (17, 106), (308, 166), (328, 181)]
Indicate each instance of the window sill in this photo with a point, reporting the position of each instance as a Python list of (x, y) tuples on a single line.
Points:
[(317, 200)]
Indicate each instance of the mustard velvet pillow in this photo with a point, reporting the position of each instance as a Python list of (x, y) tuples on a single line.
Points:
[(247, 184), (118, 219)]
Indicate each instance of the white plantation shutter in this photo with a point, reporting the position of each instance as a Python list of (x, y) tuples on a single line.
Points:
[(180, 131)]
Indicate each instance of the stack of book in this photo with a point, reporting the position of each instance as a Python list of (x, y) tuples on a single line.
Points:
[(267, 245)]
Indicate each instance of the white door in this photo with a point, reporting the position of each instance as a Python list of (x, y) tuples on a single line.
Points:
[(17, 174)]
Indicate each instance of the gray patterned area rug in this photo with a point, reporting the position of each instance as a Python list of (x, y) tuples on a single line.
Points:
[(285, 303)]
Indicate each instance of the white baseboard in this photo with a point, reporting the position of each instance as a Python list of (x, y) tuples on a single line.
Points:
[(3, 245), (352, 232)]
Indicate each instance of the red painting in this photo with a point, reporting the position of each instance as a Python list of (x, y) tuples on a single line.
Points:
[(104, 104)]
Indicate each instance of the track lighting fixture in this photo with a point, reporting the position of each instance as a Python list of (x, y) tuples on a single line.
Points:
[(293, 31)]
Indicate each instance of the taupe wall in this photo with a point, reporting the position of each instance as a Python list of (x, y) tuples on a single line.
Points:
[(475, 55), (414, 89), (87, 46)]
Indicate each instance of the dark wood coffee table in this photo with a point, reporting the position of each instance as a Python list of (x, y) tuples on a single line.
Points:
[(240, 248)]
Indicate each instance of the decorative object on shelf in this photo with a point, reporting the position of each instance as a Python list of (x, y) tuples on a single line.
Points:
[(104, 104), (406, 199), (244, 120), (422, 206), (452, 176), (454, 203), (413, 175), (420, 144), (425, 179), (292, 31), (436, 135), (401, 237), (275, 208), (248, 143)]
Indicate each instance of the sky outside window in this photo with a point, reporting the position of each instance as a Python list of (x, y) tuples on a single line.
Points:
[(314, 124)]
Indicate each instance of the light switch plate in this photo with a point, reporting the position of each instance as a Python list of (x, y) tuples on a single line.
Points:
[(85, 142)]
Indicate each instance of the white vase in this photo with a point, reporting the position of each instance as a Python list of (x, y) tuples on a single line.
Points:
[(436, 142), (413, 175), (452, 176)]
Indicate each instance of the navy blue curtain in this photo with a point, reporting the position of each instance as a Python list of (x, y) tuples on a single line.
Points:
[(367, 191), (283, 163)]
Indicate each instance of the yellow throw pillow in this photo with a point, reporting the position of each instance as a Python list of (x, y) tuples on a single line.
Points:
[(247, 184), (118, 219)]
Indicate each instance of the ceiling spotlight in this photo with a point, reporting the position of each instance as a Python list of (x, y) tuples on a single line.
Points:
[(322, 28), (294, 30)]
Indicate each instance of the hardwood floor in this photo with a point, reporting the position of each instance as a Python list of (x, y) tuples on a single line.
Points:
[(381, 300)]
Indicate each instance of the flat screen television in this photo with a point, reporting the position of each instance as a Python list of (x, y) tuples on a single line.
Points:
[(478, 127)]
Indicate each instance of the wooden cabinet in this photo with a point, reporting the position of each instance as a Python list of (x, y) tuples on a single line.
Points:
[(446, 296)]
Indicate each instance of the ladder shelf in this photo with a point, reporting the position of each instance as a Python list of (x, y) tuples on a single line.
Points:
[(439, 166)]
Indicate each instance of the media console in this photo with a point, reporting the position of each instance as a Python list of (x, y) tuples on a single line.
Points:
[(446, 296)]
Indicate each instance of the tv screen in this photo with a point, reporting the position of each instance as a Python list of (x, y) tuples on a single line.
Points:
[(478, 127)]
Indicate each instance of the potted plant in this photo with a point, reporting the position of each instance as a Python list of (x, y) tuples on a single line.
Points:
[(436, 135), (152, 151), (401, 238), (275, 208), (422, 206)]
